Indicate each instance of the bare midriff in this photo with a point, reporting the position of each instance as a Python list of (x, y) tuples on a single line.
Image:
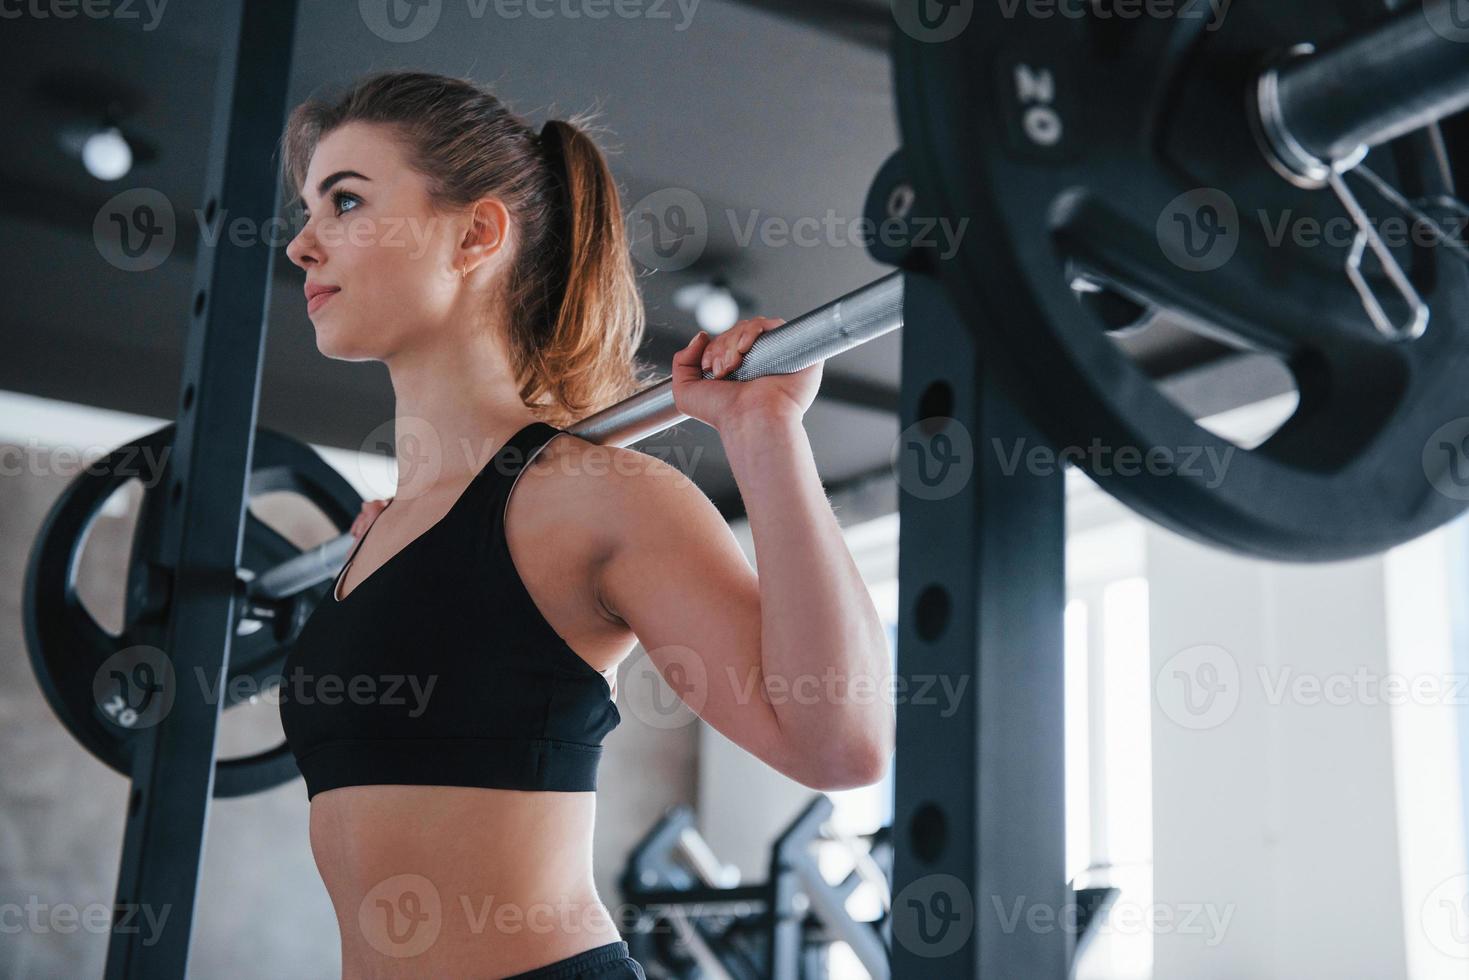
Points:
[(450, 881)]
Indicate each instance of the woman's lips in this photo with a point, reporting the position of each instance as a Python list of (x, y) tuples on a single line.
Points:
[(318, 299)]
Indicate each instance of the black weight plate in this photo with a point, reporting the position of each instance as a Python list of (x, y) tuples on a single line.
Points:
[(1076, 145), (68, 648)]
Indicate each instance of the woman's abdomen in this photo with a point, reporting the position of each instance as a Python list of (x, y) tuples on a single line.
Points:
[(455, 879)]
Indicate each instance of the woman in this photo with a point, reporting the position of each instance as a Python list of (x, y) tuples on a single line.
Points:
[(486, 266)]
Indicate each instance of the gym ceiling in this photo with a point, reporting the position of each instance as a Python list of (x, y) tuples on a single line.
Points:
[(765, 110)]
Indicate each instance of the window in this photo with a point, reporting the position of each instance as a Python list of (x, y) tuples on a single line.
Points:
[(1108, 690)]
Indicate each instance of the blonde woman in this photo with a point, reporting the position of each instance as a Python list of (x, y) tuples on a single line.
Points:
[(486, 265)]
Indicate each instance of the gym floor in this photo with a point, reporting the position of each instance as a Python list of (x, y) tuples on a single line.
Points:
[(1269, 762)]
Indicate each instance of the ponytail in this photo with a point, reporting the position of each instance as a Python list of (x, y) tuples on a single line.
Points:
[(594, 311)]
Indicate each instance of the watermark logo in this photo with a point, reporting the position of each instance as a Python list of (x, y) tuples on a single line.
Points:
[(1449, 19), (415, 444), (590, 10), (1212, 11), (942, 691), (1125, 918), (400, 21), (933, 916), (135, 230), (1199, 687), (406, 21), (401, 916), (670, 698), (940, 236), (933, 459), (146, 464), (1199, 230), (1446, 459), (125, 10), (1362, 687), (932, 21), (1445, 917), (37, 917), (669, 229), (134, 688), (409, 692), (1436, 226), (1206, 464)]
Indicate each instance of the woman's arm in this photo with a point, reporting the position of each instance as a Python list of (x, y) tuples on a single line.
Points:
[(821, 638), (793, 666)]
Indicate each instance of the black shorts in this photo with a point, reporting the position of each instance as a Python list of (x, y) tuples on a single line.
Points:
[(609, 962)]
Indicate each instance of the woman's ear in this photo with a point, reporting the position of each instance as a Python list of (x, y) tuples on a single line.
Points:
[(488, 231)]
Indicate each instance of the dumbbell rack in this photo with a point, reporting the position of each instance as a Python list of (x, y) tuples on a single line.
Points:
[(799, 912)]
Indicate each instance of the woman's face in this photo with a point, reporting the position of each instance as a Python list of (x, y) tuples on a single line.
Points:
[(371, 233)]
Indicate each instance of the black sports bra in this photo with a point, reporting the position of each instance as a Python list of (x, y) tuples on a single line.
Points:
[(439, 669)]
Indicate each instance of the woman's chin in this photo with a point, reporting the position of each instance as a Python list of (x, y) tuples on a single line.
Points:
[(330, 346), (333, 347)]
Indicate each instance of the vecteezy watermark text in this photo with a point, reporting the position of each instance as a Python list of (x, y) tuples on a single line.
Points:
[(1204, 462)]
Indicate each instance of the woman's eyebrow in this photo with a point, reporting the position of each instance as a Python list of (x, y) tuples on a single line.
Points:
[(327, 183)]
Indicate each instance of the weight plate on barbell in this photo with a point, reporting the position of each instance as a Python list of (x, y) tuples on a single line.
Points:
[(1119, 154), (104, 687)]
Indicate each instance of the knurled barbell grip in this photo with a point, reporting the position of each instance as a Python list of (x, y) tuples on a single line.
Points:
[(857, 317)]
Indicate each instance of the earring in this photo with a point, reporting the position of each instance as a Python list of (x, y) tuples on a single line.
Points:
[(463, 272)]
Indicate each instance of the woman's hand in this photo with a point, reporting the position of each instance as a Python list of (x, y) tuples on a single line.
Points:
[(718, 402), (365, 517)]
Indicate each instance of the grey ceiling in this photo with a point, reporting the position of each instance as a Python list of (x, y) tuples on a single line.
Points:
[(758, 113)]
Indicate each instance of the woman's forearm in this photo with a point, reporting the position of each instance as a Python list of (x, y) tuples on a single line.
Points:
[(824, 651)]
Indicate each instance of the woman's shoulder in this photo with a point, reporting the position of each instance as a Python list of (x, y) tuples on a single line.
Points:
[(589, 467), (602, 489)]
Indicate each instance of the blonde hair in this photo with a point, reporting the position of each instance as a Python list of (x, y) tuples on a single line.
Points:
[(575, 315)]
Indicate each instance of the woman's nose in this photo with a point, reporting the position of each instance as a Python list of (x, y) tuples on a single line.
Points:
[(302, 248)]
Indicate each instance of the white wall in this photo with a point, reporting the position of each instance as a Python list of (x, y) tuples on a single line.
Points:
[(1427, 732), (1273, 807)]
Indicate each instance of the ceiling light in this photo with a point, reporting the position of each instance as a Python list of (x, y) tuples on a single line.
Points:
[(106, 154), (714, 305)]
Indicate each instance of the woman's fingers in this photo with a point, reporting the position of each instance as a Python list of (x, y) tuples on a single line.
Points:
[(727, 351), (365, 517), (686, 362)]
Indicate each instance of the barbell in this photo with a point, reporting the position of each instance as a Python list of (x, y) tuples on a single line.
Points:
[(105, 687)]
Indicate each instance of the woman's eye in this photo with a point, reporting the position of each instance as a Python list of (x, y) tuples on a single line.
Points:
[(337, 198)]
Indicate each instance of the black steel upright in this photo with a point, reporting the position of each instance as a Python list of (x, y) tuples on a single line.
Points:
[(979, 884), (173, 765)]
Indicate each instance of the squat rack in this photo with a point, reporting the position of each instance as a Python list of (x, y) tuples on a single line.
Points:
[(200, 532)]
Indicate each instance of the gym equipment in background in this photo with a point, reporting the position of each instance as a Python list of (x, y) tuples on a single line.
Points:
[(107, 687), (695, 921)]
